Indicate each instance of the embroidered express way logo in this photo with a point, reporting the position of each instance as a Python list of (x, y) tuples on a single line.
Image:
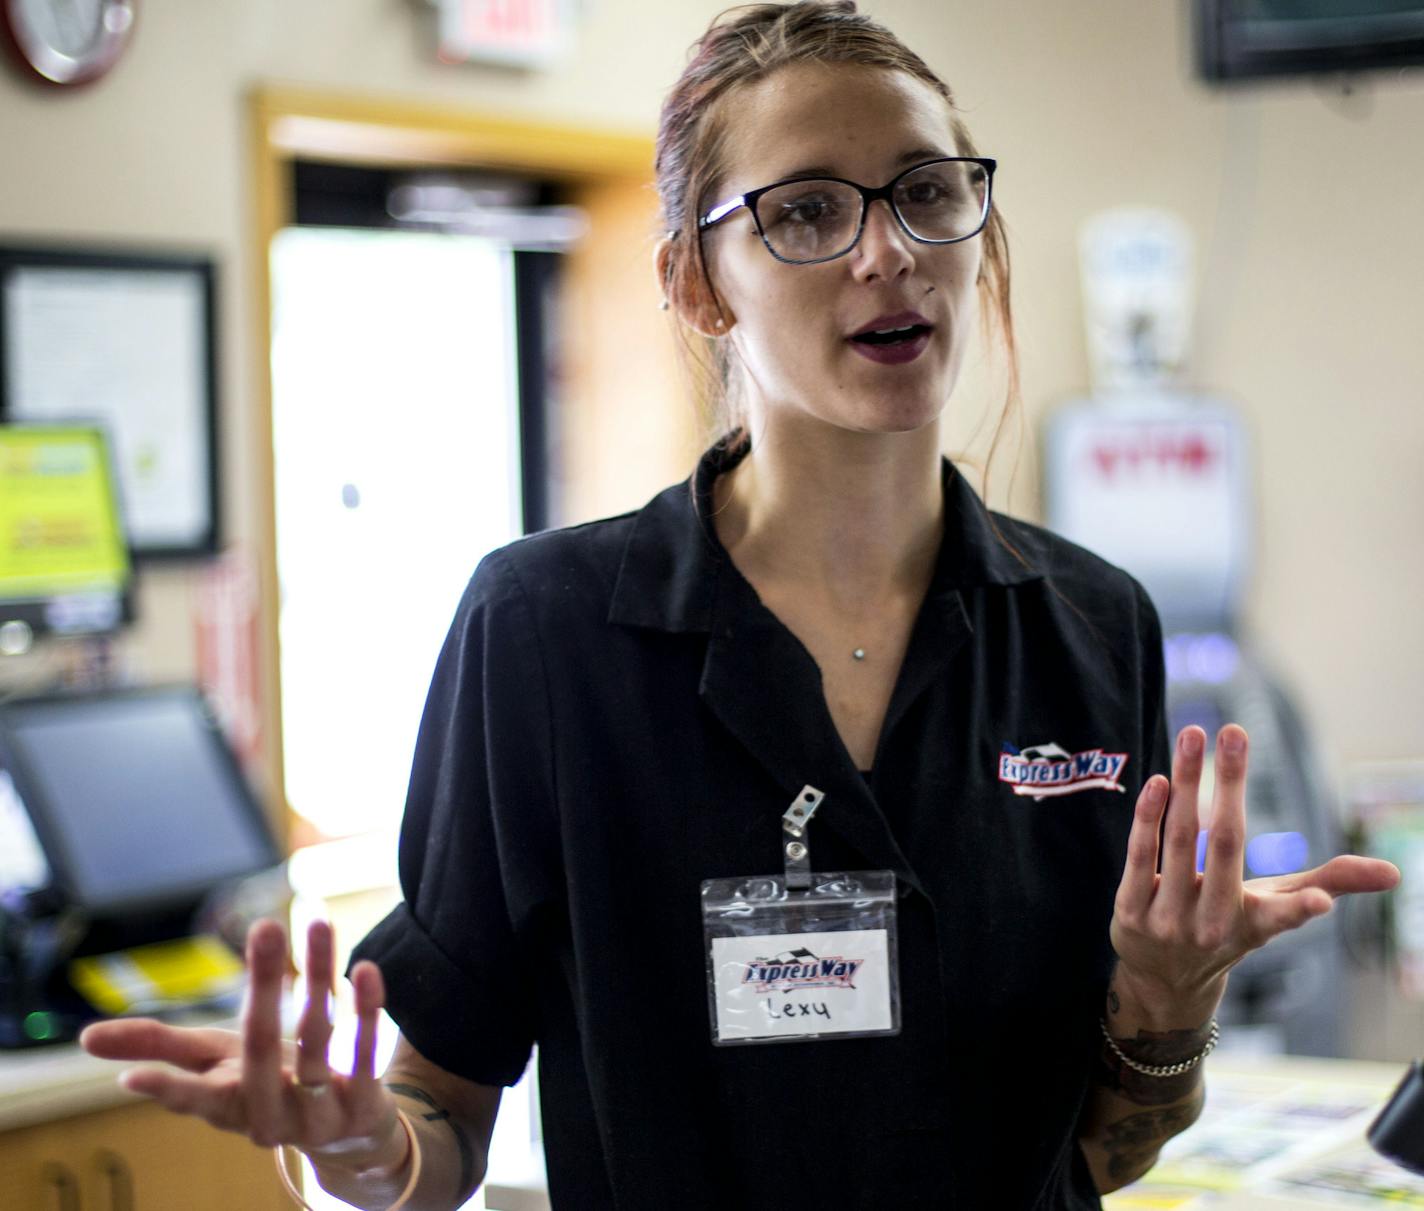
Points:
[(801, 969), (1044, 770)]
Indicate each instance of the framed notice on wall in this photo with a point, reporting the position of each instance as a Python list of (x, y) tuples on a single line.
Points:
[(126, 342)]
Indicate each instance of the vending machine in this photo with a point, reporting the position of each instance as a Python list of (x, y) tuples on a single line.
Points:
[(1157, 479)]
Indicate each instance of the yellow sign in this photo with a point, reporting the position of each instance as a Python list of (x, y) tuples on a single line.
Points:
[(58, 530), (163, 974)]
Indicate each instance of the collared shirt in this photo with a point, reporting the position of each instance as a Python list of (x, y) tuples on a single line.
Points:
[(616, 717)]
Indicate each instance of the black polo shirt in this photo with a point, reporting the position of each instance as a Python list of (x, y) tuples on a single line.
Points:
[(615, 717)]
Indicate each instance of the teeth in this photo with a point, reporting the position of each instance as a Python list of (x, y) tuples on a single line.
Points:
[(888, 331)]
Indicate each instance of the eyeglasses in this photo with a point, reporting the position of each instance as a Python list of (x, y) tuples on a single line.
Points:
[(813, 219)]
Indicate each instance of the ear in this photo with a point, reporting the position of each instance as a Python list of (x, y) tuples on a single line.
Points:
[(696, 306)]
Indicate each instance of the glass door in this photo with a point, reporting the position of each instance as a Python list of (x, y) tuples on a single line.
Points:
[(396, 448)]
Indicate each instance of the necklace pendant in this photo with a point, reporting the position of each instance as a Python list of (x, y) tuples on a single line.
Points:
[(859, 653)]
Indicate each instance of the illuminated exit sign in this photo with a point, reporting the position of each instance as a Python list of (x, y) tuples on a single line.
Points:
[(519, 33)]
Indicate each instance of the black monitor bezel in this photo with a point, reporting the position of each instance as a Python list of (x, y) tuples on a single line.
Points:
[(33, 794), (33, 612)]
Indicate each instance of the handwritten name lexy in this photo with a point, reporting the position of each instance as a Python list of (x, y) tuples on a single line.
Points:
[(795, 1009)]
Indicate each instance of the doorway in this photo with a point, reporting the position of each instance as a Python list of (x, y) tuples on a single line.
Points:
[(361, 564)]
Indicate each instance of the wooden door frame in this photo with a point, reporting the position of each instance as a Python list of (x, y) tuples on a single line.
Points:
[(287, 124)]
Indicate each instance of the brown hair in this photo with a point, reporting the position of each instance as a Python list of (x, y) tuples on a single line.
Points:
[(743, 45)]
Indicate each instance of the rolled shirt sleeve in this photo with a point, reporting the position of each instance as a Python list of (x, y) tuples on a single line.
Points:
[(457, 955)]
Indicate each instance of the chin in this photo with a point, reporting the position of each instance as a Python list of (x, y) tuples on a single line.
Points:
[(905, 412), (908, 416)]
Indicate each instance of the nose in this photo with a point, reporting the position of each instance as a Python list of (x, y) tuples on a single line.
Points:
[(884, 250)]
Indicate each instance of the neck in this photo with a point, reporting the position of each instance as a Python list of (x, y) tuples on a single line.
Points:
[(853, 518)]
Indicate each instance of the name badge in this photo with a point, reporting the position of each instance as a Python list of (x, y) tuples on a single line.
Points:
[(789, 964), (791, 986)]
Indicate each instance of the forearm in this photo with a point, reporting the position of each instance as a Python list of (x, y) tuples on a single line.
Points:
[(452, 1160), (1121, 1135), (1129, 1115)]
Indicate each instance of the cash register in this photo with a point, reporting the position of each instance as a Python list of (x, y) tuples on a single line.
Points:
[(124, 817), (125, 820)]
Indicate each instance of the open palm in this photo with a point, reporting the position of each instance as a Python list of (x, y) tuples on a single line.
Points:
[(1178, 931), (257, 1084)]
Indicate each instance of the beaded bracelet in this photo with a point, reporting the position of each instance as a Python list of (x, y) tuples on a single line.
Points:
[(1213, 1034), (281, 1155)]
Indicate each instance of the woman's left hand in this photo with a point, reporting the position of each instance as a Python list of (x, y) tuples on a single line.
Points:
[(1177, 933)]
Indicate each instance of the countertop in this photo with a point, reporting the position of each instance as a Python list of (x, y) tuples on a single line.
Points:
[(1279, 1133), (41, 1084)]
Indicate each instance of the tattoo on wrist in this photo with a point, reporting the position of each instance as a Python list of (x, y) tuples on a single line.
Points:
[(437, 1113), (1133, 1142), (1154, 1048)]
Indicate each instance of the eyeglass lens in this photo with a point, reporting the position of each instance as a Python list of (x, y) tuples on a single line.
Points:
[(809, 220)]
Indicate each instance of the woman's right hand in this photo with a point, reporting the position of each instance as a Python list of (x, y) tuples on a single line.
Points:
[(255, 1083)]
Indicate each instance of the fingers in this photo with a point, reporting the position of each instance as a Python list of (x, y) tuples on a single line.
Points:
[(261, 1102), (1177, 892), (145, 1039), (1284, 902), (262, 1083), (1226, 835), (184, 1094), (1344, 875), (370, 991), (314, 1029), (1139, 876)]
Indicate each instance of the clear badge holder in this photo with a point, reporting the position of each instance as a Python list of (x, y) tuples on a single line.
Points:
[(801, 956)]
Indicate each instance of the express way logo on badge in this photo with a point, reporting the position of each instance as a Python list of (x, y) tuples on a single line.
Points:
[(801, 969), (1044, 770)]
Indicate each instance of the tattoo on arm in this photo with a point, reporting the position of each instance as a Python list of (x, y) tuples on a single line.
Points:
[(1133, 1142), (1153, 1048), (437, 1113)]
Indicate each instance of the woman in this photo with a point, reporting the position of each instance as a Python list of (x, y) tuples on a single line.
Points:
[(623, 709)]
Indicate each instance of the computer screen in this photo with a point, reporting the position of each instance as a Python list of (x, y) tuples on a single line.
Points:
[(135, 796), (1248, 39), (64, 562)]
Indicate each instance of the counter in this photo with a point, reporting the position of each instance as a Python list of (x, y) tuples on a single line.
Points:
[(1279, 1133)]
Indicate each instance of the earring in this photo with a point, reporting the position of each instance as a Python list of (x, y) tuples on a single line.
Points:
[(719, 323), (663, 306)]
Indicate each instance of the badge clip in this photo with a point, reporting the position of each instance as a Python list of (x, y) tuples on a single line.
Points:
[(795, 848)]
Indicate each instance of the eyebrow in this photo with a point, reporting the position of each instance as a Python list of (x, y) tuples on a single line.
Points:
[(909, 157)]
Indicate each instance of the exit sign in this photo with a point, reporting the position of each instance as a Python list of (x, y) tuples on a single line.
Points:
[(519, 33)]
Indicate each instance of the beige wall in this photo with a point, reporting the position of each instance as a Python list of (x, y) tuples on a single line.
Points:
[(1306, 205)]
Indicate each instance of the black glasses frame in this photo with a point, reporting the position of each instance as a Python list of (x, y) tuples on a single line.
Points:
[(867, 195)]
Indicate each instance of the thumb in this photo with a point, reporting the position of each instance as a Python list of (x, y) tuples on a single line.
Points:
[(1280, 911), (1345, 874)]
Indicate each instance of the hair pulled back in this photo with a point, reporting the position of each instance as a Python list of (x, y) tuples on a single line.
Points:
[(741, 46)]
